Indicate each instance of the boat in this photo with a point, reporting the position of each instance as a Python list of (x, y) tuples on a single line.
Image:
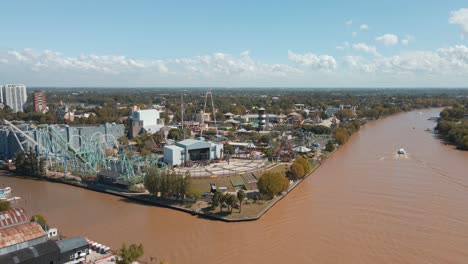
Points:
[(12, 199), (401, 151), (5, 191)]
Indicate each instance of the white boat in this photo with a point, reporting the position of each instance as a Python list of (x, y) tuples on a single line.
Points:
[(401, 151), (13, 199), (4, 191)]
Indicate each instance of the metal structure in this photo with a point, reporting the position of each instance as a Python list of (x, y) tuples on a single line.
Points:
[(87, 160), (286, 151), (204, 111)]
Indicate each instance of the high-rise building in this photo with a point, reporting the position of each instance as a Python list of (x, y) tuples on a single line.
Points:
[(40, 103), (14, 96)]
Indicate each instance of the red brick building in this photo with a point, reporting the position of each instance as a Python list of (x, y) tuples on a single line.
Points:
[(39, 102)]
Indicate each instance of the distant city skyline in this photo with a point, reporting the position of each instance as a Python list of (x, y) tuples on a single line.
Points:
[(235, 44)]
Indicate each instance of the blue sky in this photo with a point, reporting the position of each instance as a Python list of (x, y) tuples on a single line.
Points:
[(235, 43)]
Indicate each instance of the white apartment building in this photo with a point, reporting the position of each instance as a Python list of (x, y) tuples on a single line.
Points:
[(14, 96)]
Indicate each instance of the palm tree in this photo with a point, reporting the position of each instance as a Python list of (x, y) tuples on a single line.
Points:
[(240, 196), (216, 199), (231, 200), (222, 201)]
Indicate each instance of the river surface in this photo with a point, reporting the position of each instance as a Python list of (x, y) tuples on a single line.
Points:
[(364, 205)]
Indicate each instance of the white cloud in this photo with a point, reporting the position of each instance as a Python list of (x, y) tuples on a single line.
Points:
[(345, 45), (452, 61), (460, 17), (364, 27), (388, 39), (349, 23), (47, 66), (320, 62), (441, 67), (354, 34), (407, 39), (366, 48)]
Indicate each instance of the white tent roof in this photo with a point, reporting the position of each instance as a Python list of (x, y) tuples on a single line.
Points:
[(251, 145), (302, 149)]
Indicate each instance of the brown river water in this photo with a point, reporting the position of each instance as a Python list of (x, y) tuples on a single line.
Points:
[(364, 205)]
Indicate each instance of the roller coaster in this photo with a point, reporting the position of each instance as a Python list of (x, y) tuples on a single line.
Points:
[(88, 159)]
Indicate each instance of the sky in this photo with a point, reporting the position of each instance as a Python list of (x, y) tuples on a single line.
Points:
[(234, 43)]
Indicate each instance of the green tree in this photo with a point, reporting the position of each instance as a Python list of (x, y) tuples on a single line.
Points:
[(304, 162), (265, 139), (344, 114), (231, 201), (222, 201), (272, 183), (168, 184), (20, 160), (240, 196), (229, 149), (129, 254), (216, 199), (341, 135), (123, 140), (4, 205), (40, 220), (145, 152), (296, 171), (152, 182), (317, 129), (330, 146), (174, 134)]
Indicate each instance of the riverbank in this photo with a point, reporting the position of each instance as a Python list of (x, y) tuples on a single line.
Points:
[(183, 206)]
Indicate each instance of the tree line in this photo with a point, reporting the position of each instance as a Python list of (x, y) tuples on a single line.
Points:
[(228, 199), (453, 126), (167, 184), (29, 164)]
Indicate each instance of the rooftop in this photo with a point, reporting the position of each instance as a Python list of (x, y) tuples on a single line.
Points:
[(189, 142), (71, 243), (30, 253), (13, 217), (20, 233), (173, 147)]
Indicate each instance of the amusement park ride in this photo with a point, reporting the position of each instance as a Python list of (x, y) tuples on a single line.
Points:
[(86, 161)]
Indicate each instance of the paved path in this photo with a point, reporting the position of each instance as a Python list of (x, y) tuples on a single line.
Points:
[(235, 166)]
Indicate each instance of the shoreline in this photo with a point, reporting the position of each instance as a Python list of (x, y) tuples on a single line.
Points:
[(179, 205), (166, 203)]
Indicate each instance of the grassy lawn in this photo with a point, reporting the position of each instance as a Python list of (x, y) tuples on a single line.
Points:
[(203, 185)]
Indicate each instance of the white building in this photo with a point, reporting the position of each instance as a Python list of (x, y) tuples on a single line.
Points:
[(148, 121), (14, 96), (173, 155), (192, 150)]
